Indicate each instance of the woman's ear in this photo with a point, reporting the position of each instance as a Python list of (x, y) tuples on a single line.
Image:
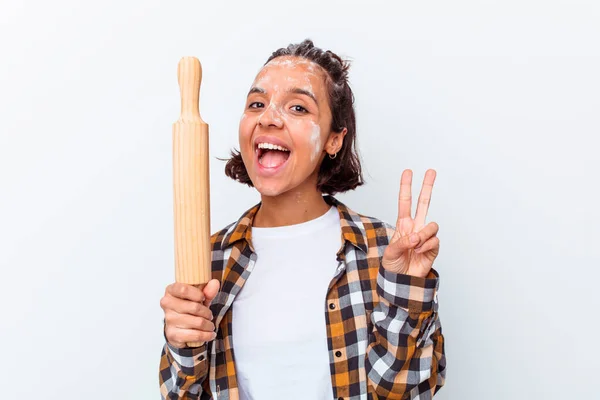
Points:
[(335, 142)]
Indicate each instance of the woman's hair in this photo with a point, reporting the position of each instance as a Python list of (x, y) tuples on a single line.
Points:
[(342, 173)]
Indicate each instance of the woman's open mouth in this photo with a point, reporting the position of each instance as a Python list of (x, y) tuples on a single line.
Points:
[(271, 156)]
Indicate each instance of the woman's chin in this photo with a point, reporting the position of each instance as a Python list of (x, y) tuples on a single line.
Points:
[(269, 190)]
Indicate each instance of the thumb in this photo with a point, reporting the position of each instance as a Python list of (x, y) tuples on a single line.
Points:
[(407, 242), (210, 291)]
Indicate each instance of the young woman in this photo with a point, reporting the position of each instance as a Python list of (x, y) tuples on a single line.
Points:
[(309, 300)]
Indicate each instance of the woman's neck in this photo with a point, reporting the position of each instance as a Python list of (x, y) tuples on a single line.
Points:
[(290, 208)]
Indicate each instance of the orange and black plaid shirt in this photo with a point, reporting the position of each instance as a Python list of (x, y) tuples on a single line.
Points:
[(383, 332)]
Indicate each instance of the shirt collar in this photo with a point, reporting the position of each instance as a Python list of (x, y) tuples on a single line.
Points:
[(353, 230)]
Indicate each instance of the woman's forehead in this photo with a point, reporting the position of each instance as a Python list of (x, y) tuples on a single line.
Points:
[(290, 69), (293, 62)]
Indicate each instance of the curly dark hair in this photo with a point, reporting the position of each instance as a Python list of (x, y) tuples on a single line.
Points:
[(344, 172)]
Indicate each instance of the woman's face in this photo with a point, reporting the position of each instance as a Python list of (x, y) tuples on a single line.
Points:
[(285, 126)]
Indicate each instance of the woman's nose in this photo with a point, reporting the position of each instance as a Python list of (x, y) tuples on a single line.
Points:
[(271, 117)]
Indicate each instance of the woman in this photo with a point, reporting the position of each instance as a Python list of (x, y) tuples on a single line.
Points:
[(309, 300)]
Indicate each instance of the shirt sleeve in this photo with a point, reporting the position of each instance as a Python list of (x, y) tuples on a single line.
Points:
[(182, 372), (405, 356)]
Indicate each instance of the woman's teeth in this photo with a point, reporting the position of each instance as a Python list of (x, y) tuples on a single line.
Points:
[(269, 146)]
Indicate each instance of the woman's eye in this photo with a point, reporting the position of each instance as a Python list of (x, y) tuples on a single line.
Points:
[(256, 104), (299, 109)]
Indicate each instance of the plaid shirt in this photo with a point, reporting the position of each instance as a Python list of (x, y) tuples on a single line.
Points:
[(383, 332)]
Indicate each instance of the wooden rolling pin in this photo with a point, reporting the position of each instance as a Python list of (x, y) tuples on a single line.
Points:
[(191, 182)]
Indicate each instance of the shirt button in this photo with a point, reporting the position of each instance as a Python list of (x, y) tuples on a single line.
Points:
[(331, 306), (201, 357), (338, 353)]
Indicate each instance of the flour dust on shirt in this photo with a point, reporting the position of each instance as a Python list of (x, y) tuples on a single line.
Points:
[(279, 331)]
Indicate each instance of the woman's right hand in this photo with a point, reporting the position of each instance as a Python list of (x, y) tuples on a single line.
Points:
[(187, 316)]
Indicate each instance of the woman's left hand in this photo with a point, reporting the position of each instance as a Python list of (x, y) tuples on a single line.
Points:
[(414, 245)]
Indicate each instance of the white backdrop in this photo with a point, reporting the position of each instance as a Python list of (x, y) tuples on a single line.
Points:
[(500, 97)]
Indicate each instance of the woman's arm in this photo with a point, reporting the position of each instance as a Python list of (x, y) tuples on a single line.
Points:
[(405, 356)]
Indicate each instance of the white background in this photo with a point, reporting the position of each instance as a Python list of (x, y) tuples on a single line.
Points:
[(500, 97)]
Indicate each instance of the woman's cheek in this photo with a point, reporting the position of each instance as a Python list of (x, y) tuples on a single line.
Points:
[(245, 136), (247, 124), (308, 138), (315, 141)]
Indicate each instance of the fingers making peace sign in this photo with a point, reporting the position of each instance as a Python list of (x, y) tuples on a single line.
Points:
[(414, 246)]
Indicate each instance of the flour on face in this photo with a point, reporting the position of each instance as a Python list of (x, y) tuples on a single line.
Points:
[(292, 62), (315, 140)]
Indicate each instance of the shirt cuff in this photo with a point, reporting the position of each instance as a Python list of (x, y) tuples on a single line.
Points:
[(189, 356), (413, 293)]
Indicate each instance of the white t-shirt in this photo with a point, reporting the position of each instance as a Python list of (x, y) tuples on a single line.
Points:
[(279, 332)]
